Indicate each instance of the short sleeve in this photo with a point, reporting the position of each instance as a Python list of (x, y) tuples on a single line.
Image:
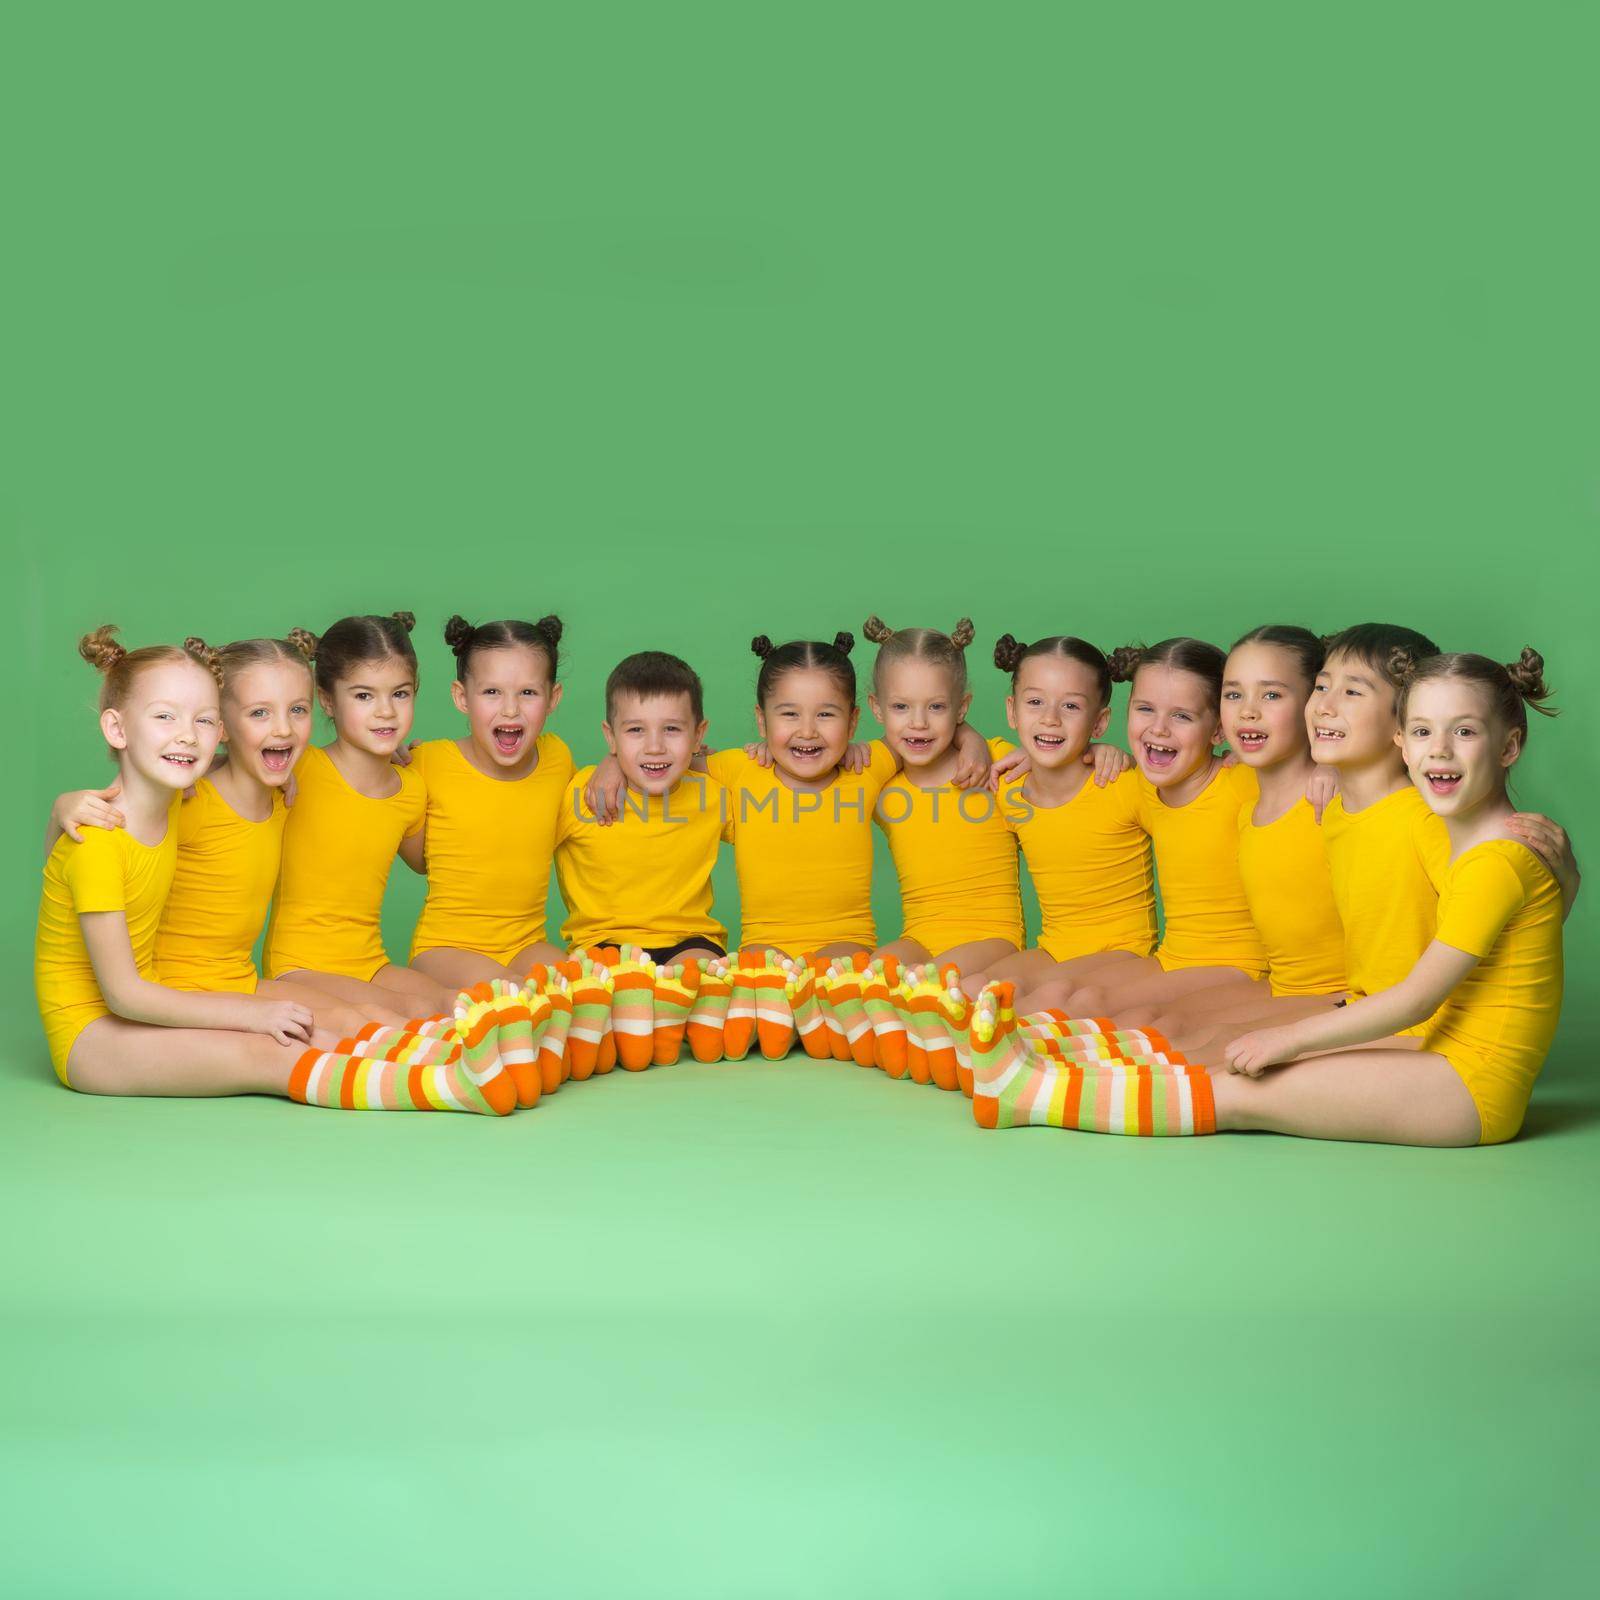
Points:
[(1484, 894), (95, 873), (727, 766), (567, 820), (999, 748), (881, 765), (414, 791), (191, 814), (1122, 798), (1015, 807), (554, 749), (1432, 840)]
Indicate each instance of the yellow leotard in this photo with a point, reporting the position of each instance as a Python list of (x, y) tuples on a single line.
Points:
[(1386, 863), (1285, 871), (956, 861), (1500, 903), (109, 871), (804, 860), (490, 845), (338, 847), (221, 894), (645, 879), (1089, 860), (1207, 918)]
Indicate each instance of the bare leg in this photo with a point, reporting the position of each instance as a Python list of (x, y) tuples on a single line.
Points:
[(1057, 991), (697, 952), (114, 1056), (531, 955), (1381, 1096), (423, 991), (1137, 995), (1024, 970), (355, 991), (841, 948), (975, 953), (460, 969), (338, 1017), (1226, 1022), (906, 951)]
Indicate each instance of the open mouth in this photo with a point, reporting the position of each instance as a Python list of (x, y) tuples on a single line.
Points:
[(1048, 744), (806, 752), (655, 769), (276, 757), (383, 733), (1442, 782), (917, 743), (181, 762), (1159, 756), (1327, 735), (508, 739), (1250, 739)]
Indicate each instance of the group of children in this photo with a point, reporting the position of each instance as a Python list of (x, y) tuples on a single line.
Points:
[(1360, 936)]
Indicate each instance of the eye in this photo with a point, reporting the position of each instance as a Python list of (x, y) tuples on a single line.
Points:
[(402, 694), (491, 690), (258, 713), (1231, 694), (1273, 694), (363, 694)]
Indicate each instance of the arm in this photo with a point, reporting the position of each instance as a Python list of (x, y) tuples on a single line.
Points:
[(1414, 999), (972, 758), (1110, 762), (128, 995), (604, 791), (1548, 840), (82, 808), (414, 851), (1321, 787)]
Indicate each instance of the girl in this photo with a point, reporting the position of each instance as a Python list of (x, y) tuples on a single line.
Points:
[(956, 860), (111, 1028), (492, 803), (1486, 991), (230, 836), (353, 809), (1266, 685), (1087, 854)]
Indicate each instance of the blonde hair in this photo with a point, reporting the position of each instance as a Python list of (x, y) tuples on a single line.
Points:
[(226, 662), (120, 667), (947, 650)]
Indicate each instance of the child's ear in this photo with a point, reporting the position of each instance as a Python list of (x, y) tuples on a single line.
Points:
[(325, 700), (555, 695), (700, 733), (111, 727), (611, 738), (855, 718), (1101, 723), (1513, 748), (872, 706), (965, 707), (761, 724), (1399, 739), (1011, 711), (458, 694)]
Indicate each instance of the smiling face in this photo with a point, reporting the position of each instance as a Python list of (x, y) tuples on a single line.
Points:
[(1056, 710), (373, 705), (1172, 724), (807, 721), (167, 728), (654, 738), (919, 709), (1455, 749), (1350, 716), (1264, 694), (506, 696), (267, 716)]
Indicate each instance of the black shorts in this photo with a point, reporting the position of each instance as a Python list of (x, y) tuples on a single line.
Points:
[(661, 954)]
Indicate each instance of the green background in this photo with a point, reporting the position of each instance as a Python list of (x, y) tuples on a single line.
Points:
[(689, 323)]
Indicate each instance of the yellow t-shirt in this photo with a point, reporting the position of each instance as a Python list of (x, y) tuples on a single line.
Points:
[(338, 847), (956, 860), (1090, 864), (109, 871), (645, 879), (490, 845), (1500, 903), (1285, 871), (804, 860), (221, 894), (1386, 863), (1197, 866)]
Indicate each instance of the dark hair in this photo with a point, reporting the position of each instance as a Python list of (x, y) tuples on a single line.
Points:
[(925, 644), (229, 660), (1182, 654), (352, 640), (652, 673), (1307, 649), (1388, 649), (1010, 652), (805, 655), (466, 639), (1513, 685)]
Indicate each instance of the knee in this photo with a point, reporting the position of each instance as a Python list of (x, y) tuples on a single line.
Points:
[(1088, 1001)]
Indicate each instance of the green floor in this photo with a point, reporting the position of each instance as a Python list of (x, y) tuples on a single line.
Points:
[(789, 1329)]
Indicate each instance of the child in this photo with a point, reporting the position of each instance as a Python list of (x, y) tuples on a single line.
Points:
[(960, 899), (1189, 804), (646, 880), (230, 836), (1486, 991), (493, 799), (1087, 854), (111, 1028), (353, 810)]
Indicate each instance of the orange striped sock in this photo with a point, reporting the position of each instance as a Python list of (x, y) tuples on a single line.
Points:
[(739, 1026), (889, 1046), (775, 1023), (633, 1008), (710, 1008)]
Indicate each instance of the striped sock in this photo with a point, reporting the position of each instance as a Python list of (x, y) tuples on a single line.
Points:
[(366, 1083), (739, 1026), (518, 1052), (775, 1022), (849, 1008), (801, 992), (822, 987), (1017, 1087), (396, 1044), (918, 999), (675, 989), (591, 1016), (889, 1045), (952, 1069), (633, 1008), (552, 1034), (710, 1009)]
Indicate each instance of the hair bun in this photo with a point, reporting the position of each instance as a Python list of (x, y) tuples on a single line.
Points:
[(1008, 652), (406, 619), (305, 641), (963, 633), (551, 627), (1527, 675), (457, 631), (196, 646), (876, 630), (1124, 661), (844, 642), (761, 645), (1401, 665), (100, 648)]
